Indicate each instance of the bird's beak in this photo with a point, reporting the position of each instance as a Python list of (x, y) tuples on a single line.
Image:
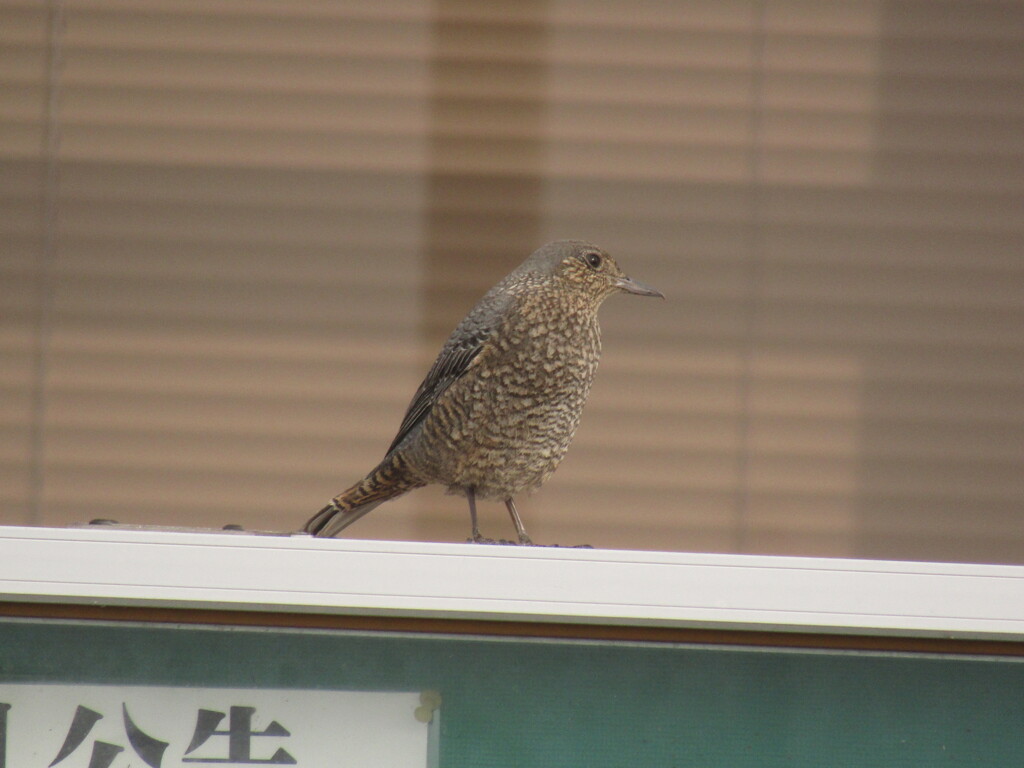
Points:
[(636, 287)]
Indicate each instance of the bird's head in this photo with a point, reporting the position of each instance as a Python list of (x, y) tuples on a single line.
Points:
[(587, 270)]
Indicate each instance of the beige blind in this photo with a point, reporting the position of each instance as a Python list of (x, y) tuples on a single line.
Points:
[(234, 235)]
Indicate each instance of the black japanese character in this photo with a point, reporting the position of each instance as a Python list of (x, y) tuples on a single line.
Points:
[(103, 753), (149, 749), (240, 734)]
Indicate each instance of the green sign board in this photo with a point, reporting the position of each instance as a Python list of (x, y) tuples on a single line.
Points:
[(528, 702)]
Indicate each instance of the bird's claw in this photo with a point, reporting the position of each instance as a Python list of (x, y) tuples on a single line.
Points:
[(477, 538)]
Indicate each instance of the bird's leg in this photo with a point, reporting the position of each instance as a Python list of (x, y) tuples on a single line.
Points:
[(476, 537), (514, 513)]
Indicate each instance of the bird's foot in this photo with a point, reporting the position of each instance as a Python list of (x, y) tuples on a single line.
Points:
[(477, 538), (524, 541)]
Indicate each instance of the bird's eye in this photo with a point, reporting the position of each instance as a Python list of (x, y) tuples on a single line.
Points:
[(593, 259)]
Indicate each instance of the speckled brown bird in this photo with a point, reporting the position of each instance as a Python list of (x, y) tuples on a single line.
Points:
[(499, 407)]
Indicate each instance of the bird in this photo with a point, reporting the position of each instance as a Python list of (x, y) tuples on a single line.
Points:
[(497, 410)]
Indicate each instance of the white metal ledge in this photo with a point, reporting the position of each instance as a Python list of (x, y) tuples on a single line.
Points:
[(179, 569)]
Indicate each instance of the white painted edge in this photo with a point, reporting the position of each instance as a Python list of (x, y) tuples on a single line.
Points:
[(216, 570)]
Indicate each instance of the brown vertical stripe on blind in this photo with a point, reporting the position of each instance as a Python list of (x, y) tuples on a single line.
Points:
[(267, 217), (486, 154), (484, 205)]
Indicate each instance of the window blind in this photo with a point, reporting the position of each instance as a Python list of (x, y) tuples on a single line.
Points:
[(235, 235)]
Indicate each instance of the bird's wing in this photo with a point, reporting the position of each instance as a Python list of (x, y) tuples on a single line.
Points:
[(465, 343)]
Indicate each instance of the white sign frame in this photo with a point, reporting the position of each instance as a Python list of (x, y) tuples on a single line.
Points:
[(245, 572)]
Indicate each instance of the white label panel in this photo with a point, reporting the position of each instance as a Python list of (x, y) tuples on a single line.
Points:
[(99, 726)]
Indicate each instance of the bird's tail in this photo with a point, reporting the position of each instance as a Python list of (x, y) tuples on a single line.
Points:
[(389, 479)]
